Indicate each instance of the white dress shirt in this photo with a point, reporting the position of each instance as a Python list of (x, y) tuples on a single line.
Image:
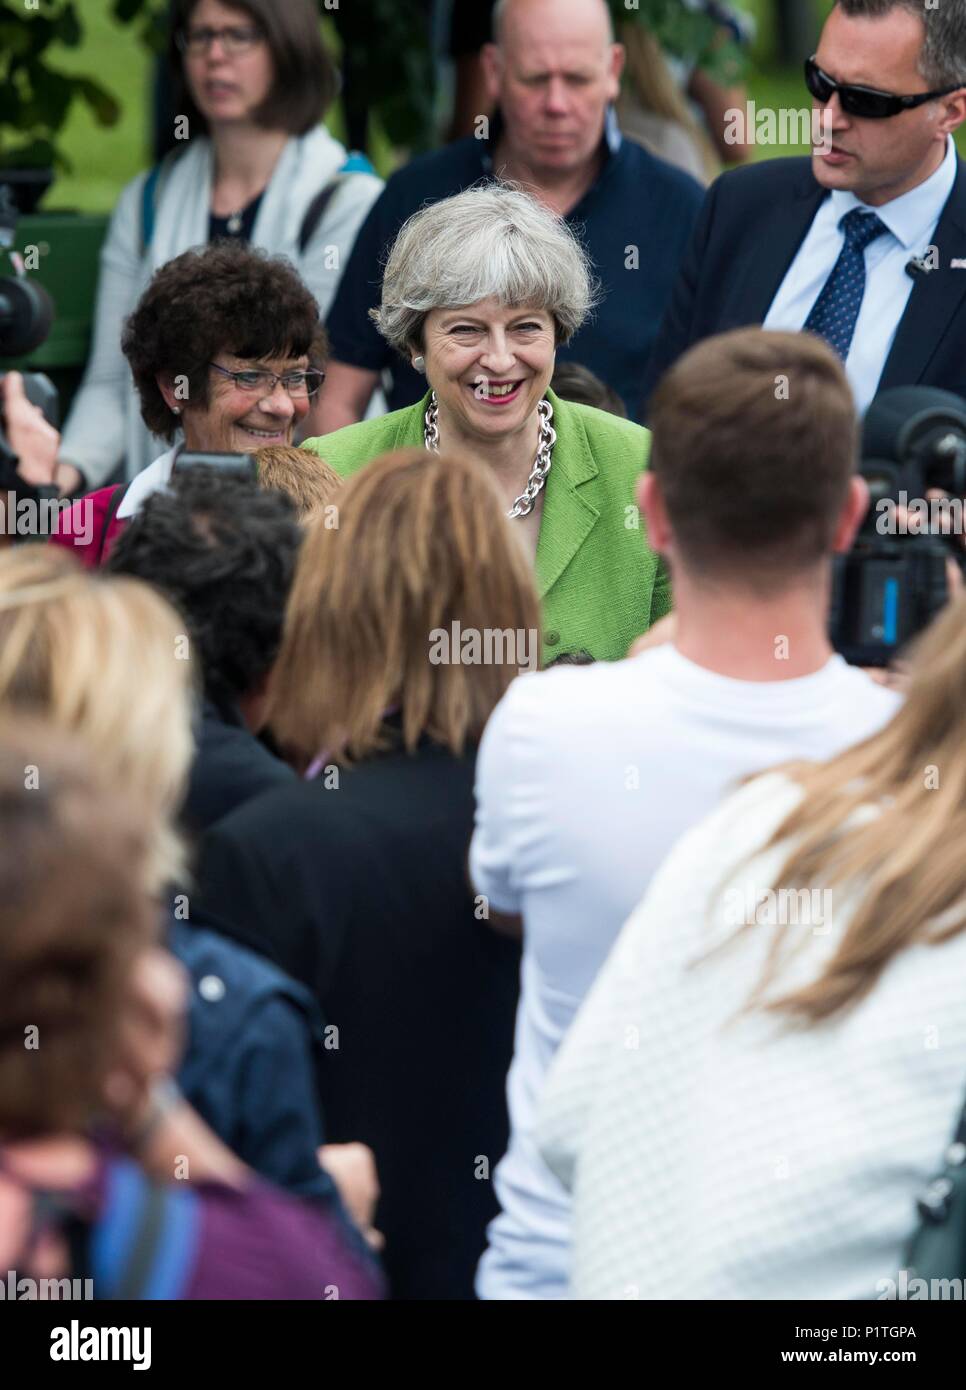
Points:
[(156, 476), (911, 220)]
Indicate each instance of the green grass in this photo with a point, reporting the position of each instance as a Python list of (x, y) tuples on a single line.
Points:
[(104, 157)]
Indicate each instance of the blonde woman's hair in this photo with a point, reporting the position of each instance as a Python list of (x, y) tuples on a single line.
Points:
[(906, 864), (310, 482), (650, 80), (105, 657), (422, 543)]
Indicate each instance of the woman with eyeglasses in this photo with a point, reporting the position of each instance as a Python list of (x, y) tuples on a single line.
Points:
[(251, 163), (224, 348)]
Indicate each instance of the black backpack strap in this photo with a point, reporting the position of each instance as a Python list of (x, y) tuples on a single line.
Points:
[(315, 211), (117, 496)]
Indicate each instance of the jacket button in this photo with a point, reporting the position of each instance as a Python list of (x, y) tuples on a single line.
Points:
[(551, 638), (211, 988), (933, 1204)]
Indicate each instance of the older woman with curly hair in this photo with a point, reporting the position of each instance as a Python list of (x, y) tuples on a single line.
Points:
[(224, 347), (479, 291)]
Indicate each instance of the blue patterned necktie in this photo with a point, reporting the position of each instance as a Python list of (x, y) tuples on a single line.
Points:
[(836, 309)]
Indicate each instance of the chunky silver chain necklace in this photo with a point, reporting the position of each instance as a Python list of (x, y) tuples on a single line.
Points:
[(524, 504)]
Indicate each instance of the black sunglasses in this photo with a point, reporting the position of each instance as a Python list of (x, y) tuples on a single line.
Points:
[(866, 102)]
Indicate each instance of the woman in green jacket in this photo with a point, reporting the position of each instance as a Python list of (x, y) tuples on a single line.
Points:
[(479, 291)]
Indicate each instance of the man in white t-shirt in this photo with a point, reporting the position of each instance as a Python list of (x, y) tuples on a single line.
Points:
[(587, 776)]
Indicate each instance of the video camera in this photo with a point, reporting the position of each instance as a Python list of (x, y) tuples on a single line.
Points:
[(26, 314), (894, 581)]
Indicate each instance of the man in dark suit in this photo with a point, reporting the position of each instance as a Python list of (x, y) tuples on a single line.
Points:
[(865, 242)]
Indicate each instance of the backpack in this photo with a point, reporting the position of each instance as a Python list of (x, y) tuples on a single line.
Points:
[(143, 1243), (355, 163)]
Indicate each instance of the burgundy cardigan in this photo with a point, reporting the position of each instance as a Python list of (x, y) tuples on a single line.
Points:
[(90, 526)]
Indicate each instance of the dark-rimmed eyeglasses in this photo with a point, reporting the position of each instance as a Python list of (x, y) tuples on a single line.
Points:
[(237, 38), (298, 384), (866, 102)]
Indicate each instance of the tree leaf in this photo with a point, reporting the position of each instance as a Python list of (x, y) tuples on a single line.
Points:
[(38, 154), (67, 28), (126, 10), (52, 94), (103, 105)]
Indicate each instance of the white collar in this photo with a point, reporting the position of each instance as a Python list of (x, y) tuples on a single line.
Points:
[(151, 479), (912, 216)]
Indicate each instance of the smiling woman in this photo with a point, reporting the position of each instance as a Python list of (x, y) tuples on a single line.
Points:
[(478, 293), (224, 345)]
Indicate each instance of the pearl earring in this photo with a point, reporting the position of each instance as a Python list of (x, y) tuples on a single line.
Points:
[(419, 363), (176, 410)]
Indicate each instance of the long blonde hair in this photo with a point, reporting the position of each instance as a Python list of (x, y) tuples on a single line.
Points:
[(906, 864), (105, 657)]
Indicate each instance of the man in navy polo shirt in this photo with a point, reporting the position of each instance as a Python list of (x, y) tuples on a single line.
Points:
[(554, 71)]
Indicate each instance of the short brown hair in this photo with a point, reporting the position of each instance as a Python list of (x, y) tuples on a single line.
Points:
[(74, 916), (225, 297), (306, 80), (309, 481), (942, 58), (422, 543), (754, 440)]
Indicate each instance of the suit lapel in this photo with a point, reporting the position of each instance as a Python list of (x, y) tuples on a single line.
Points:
[(769, 252), (568, 517), (935, 297)]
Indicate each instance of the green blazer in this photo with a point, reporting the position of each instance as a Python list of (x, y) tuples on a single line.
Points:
[(600, 584)]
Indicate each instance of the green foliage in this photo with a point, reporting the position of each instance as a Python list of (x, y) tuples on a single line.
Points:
[(392, 44), (687, 34), (35, 99), (152, 16)]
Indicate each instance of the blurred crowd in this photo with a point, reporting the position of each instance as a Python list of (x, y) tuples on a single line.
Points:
[(441, 854)]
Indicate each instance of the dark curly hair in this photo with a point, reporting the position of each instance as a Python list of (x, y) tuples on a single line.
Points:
[(223, 551), (306, 79), (226, 297)]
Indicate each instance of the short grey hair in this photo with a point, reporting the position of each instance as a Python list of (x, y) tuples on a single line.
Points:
[(942, 60), (491, 240)]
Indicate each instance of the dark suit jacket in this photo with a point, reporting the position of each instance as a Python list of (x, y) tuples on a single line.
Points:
[(751, 225), (230, 767), (360, 891)]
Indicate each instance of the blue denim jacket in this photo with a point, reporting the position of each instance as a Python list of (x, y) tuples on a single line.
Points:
[(249, 1068)]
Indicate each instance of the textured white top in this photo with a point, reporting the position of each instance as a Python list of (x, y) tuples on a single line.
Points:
[(586, 778), (717, 1156)]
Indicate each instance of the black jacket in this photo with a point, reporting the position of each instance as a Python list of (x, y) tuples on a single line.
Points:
[(230, 767), (361, 891), (751, 225)]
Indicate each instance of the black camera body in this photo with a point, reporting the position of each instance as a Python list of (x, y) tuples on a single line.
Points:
[(893, 581), (26, 315)]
